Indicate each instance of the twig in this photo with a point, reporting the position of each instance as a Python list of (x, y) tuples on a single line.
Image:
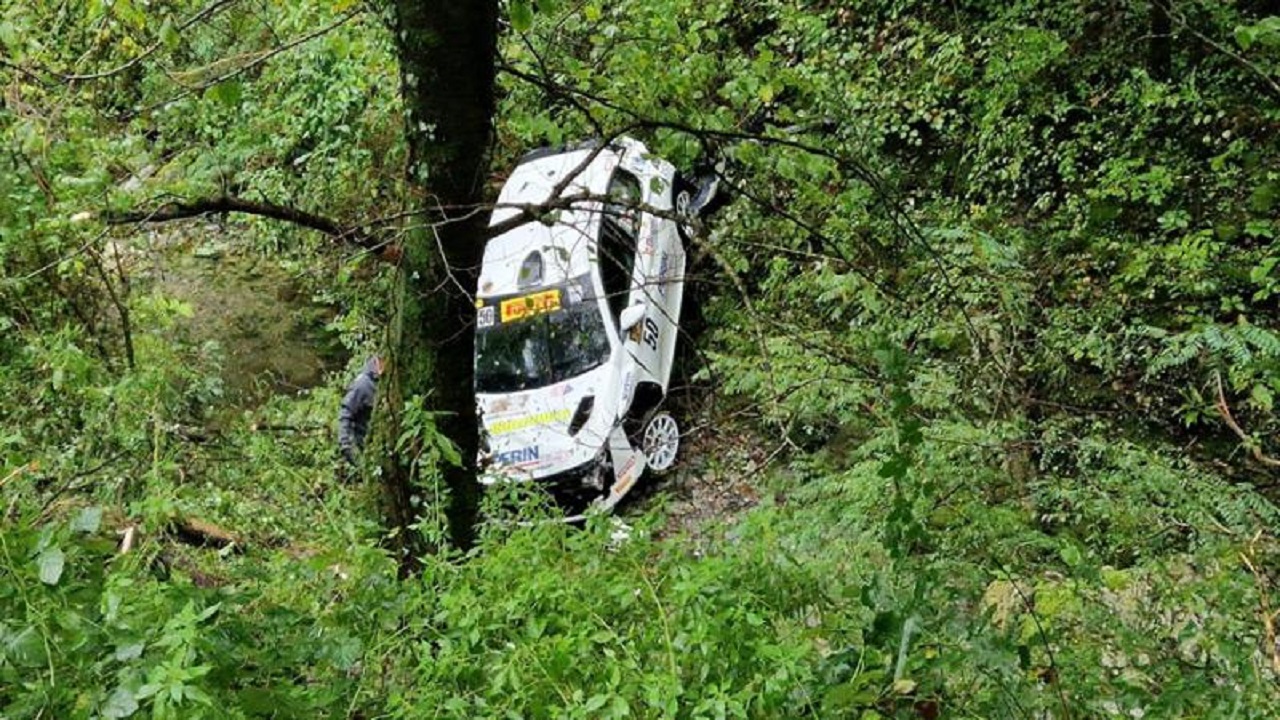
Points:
[(16, 472), (1250, 65), (1225, 411), (265, 56), (207, 12)]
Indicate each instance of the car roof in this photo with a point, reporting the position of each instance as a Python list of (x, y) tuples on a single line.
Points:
[(566, 245)]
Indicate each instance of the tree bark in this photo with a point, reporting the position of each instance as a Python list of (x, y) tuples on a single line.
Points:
[(447, 51)]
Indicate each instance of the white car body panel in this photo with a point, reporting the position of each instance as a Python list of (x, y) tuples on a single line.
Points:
[(527, 431)]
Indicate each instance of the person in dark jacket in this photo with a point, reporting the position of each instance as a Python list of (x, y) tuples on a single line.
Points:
[(357, 408)]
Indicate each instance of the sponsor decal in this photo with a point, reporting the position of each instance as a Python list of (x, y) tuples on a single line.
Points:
[(484, 317), (664, 267), (504, 404), (502, 427), (628, 387), (528, 306), (626, 478), (561, 390), (521, 456)]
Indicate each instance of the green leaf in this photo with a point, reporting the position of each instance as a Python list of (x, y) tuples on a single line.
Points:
[(208, 612), (1070, 555), (1245, 35), (1259, 229), (88, 521), (125, 653), (1263, 269), (1262, 398), (51, 562), (121, 704), (895, 467), (521, 15), (1263, 197), (169, 36), (227, 92), (9, 37), (25, 648)]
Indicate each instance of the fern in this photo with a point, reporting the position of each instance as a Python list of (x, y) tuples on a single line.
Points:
[(1239, 348)]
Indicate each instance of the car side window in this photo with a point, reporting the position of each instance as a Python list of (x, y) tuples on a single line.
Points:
[(619, 232)]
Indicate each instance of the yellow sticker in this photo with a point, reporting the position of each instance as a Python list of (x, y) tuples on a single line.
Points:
[(502, 427), (528, 306)]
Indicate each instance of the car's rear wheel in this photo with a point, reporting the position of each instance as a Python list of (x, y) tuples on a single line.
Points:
[(661, 442)]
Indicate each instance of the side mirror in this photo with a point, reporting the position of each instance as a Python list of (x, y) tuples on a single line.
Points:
[(631, 317)]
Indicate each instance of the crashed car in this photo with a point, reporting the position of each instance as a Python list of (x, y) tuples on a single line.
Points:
[(577, 320)]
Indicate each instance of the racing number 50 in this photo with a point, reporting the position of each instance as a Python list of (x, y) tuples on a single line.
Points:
[(651, 333)]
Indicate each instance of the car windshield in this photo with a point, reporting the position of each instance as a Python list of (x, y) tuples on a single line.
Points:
[(539, 338)]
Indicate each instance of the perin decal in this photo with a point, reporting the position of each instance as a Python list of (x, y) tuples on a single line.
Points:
[(521, 456)]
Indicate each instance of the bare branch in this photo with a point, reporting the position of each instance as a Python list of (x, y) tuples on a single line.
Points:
[(228, 204), (29, 73), (1225, 411), (852, 167)]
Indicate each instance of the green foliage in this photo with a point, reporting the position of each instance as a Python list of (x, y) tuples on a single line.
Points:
[(982, 274)]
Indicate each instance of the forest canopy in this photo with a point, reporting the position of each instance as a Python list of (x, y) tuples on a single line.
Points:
[(978, 366)]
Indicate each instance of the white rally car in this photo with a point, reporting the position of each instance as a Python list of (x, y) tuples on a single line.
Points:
[(577, 318)]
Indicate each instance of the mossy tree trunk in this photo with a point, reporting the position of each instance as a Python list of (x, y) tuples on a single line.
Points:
[(447, 51)]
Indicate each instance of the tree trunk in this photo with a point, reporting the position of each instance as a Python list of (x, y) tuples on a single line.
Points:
[(1160, 47), (447, 51)]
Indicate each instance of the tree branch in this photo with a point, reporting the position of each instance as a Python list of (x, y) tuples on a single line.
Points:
[(70, 77), (1225, 411), (208, 12), (229, 204), (1182, 21), (260, 58)]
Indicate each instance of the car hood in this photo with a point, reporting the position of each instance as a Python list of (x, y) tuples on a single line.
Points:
[(528, 431)]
